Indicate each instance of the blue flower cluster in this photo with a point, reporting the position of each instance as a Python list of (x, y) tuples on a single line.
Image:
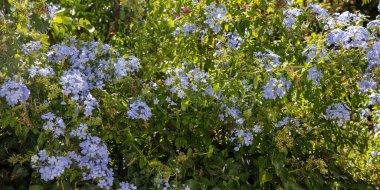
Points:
[(367, 85), (287, 121), (93, 159), (338, 112), (243, 137), (86, 74), (139, 110), (269, 59), (14, 92), (341, 20), (314, 75), (233, 112), (181, 82), (321, 12), (74, 83), (54, 124), (276, 88), (374, 98), (188, 29), (314, 53), (124, 68), (291, 17), (127, 186), (90, 104), (50, 167), (214, 16), (354, 36), (234, 40), (31, 47), (373, 55), (44, 72)]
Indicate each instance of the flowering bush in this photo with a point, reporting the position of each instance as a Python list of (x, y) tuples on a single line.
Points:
[(188, 95)]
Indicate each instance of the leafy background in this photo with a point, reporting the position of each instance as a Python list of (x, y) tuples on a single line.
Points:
[(187, 144)]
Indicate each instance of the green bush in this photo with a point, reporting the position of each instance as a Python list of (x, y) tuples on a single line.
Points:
[(187, 95)]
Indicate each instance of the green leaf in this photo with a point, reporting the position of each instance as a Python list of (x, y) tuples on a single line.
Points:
[(180, 142), (19, 172), (210, 151), (41, 139), (36, 187), (264, 177)]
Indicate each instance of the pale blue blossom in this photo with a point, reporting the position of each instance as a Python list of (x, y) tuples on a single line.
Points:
[(338, 112), (340, 20), (14, 92), (73, 82), (287, 121), (187, 29), (313, 51), (127, 186), (374, 98), (170, 101), (90, 104), (124, 68), (139, 110), (169, 81), (321, 12), (337, 36), (256, 128), (209, 91), (80, 132), (31, 48), (50, 167), (291, 17), (155, 101), (367, 85), (373, 55), (234, 40), (358, 36), (276, 88), (52, 10), (214, 16), (314, 75), (240, 121), (243, 138), (269, 59), (54, 124), (36, 69), (58, 53)]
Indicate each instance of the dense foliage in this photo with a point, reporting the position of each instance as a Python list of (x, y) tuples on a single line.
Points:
[(138, 94)]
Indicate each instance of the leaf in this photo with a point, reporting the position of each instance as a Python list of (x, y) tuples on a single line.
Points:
[(36, 187), (210, 151), (264, 177), (19, 172), (41, 139), (180, 142)]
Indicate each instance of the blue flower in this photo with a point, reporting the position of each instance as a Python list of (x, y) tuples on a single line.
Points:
[(127, 186), (90, 104), (291, 17), (338, 112), (269, 59), (314, 75), (276, 88), (367, 85), (139, 110), (80, 132), (14, 92), (319, 10), (73, 82), (54, 124)]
